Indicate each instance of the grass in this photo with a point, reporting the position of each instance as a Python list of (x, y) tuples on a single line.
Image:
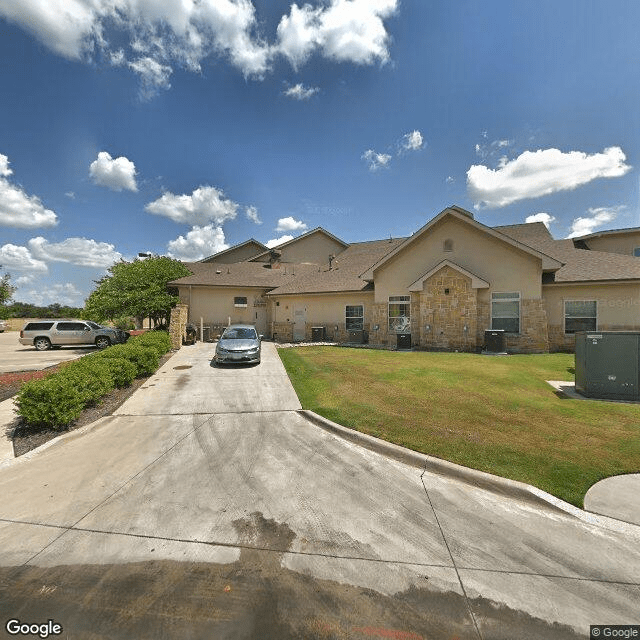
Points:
[(496, 414)]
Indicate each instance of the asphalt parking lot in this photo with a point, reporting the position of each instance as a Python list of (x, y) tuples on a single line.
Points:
[(17, 357)]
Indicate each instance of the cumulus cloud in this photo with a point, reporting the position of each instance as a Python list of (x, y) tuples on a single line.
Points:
[(16, 258), (114, 173), (78, 251), (376, 160), (290, 224), (17, 209), (65, 294), (252, 214), (343, 30), (596, 218), (545, 218), (156, 35), (278, 241), (538, 173), (205, 205), (411, 141), (300, 92), (198, 243)]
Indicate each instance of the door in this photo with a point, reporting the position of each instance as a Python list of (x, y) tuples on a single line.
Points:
[(299, 324), (260, 320)]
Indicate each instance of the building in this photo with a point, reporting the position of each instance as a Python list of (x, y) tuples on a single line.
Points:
[(444, 286)]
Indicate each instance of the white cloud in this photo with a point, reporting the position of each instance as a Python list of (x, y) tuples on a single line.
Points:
[(204, 205), (412, 141), (597, 217), (199, 243), (277, 241), (501, 144), (290, 224), (343, 30), (545, 218), (64, 294), (16, 258), (70, 194), (450, 179), (252, 214), (153, 76), (24, 280), (376, 160), (78, 251), (300, 92), (539, 173), (156, 35), (17, 209), (114, 173)]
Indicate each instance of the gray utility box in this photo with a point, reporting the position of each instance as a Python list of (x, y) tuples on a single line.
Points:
[(317, 334), (403, 341), (494, 341), (357, 336), (607, 364)]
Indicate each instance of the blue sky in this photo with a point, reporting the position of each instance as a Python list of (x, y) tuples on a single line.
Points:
[(183, 127)]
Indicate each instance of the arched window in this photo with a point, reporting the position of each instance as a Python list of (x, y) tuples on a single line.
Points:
[(448, 245)]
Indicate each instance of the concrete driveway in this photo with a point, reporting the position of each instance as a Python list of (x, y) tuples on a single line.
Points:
[(17, 357), (208, 507)]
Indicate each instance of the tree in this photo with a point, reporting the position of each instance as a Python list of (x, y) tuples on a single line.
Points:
[(139, 289), (6, 293)]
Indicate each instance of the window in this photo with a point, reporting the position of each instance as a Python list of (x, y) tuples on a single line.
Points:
[(72, 326), (240, 302), (580, 315), (505, 312), (354, 317), (448, 245), (399, 314), (636, 252)]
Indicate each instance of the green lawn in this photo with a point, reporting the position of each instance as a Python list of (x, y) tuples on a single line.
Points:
[(496, 414)]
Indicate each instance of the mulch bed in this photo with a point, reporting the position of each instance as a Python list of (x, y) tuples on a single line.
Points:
[(26, 437)]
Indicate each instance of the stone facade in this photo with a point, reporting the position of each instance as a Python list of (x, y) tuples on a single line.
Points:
[(534, 334), (380, 319), (177, 324), (446, 316), (561, 341), (282, 331)]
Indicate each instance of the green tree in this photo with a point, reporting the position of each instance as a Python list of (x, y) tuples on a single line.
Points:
[(139, 289), (6, 293)]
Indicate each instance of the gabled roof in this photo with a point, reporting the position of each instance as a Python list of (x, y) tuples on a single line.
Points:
[(247, 243), (288, 243), (476, 281), (609, 232), (579, 265), (548, 263), (344, 274)]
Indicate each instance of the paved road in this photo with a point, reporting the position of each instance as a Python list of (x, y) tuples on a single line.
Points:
[(209, 508), (17, 357)]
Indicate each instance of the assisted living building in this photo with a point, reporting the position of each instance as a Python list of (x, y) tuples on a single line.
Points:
[(440, 288)]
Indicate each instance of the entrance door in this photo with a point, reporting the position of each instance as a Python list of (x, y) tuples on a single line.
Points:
[(261, 320), (299, 324)]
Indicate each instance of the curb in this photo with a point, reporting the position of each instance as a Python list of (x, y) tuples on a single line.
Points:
[(496, 484)]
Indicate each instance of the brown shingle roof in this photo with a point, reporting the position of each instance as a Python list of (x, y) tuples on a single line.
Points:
[(580, 265), (345, 271)]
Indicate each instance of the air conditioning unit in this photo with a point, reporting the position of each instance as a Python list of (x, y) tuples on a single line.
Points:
[(317, 334), (356, 336)]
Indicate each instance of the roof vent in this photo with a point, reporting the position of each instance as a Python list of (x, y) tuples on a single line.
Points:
[(218, 271)]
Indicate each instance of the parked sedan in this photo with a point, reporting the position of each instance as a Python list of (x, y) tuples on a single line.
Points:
[(238, 343)]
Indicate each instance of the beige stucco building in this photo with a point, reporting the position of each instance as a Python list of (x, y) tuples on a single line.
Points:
[(440, 288)]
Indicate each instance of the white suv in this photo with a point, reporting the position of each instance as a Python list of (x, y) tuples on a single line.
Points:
[(44, 334)]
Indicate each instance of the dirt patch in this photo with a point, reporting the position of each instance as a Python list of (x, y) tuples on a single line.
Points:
[(26, 438)]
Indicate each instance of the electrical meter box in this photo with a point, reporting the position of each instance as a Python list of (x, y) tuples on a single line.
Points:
[(608, 364)]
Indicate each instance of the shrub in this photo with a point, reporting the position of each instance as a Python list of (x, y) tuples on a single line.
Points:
[(158, 340), (92, 378), (53, 402), (122, 370), (144, 358)]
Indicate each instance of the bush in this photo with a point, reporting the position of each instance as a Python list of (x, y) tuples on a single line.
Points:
[(158, 340), (145, 359), (125, 323), (93, 378), (122, 370), (53, 402)]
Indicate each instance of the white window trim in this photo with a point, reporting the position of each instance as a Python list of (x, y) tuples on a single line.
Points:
[(564, 313), (239, 305), (519, 299), (345, 316), (406, 299)]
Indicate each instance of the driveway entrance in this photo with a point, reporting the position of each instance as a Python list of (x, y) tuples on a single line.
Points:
[(208, 507)]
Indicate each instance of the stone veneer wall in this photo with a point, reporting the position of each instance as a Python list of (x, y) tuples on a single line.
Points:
[(534, 330), (282, 331), (177, 324), (379, 317), (452, 316), (561, 341)]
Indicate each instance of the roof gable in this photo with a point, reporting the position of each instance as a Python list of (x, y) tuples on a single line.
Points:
[(548, 263), (237, 253), (294, 250), (476, 281)]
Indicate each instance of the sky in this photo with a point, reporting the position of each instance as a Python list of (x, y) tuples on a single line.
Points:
[(182, 127)]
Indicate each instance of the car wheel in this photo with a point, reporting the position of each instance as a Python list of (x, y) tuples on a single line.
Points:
[(102, 342), (42, 344)]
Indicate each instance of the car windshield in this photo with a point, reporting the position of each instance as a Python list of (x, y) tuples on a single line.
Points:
[(239, 333), (93, 325)]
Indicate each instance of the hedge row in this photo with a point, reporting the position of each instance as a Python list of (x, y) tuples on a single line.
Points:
[(58, 399)]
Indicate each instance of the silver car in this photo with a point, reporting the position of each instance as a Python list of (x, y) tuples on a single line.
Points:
[(45, 334), (239, 343)]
